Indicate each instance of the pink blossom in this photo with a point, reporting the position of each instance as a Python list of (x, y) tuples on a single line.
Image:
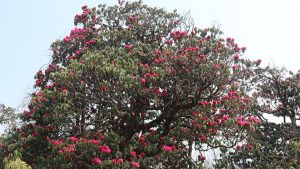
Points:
[(148, 74), (114, 161), (92, 41), (247, 123), (103, 88), (229, 39), (34, 134), (96, 160), (73, 138), (143, 80), (105, 149), (249, 147), (158, 52), (67, 39), (133, 153), (56, 142), (244, 49), (241, 123), (128, 46), (84, 7), (167, 148), (135, 164), (93, 141), (120, 161), (169, 41), (108, 150), (65, 91), (236, 57), (203, 138)]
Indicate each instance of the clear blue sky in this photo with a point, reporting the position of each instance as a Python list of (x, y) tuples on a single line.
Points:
[(270, 29)]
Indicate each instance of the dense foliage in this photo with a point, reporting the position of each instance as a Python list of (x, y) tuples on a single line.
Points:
[(273, 145), (8, 116), (134, 86)]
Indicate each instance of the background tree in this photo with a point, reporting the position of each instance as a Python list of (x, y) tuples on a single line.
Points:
[(277, 93), (134, 86), (8, 118)]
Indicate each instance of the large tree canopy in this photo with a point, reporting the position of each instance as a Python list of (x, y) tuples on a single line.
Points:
[(134, 86)]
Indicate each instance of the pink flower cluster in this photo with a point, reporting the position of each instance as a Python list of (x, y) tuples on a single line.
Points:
[(105, 149), (178, 34), (169, 148)]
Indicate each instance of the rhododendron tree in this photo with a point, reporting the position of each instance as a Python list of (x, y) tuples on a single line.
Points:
[(134, 86)]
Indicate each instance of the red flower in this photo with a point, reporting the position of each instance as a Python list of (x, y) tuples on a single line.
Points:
[(243, 49), (133, 153), (84, 7), (92, 41), (103, 88), (135, 164), (249, 147), (65, 91), (143, 81), (148, 74), (241, 123), (158, 52), (229, 39), (105, 149), (93, 141), (108, 150), (167, 148), (169, 41), (114, 161), (168, 53), (203, 138), (34, 134), (73, 138), (67, 39), (257, 62), (96, 160), (236, 57), (247, 123), (121, 161), (128, 46)]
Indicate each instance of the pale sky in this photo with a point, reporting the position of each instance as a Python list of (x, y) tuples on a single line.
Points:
[(270, 29)]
